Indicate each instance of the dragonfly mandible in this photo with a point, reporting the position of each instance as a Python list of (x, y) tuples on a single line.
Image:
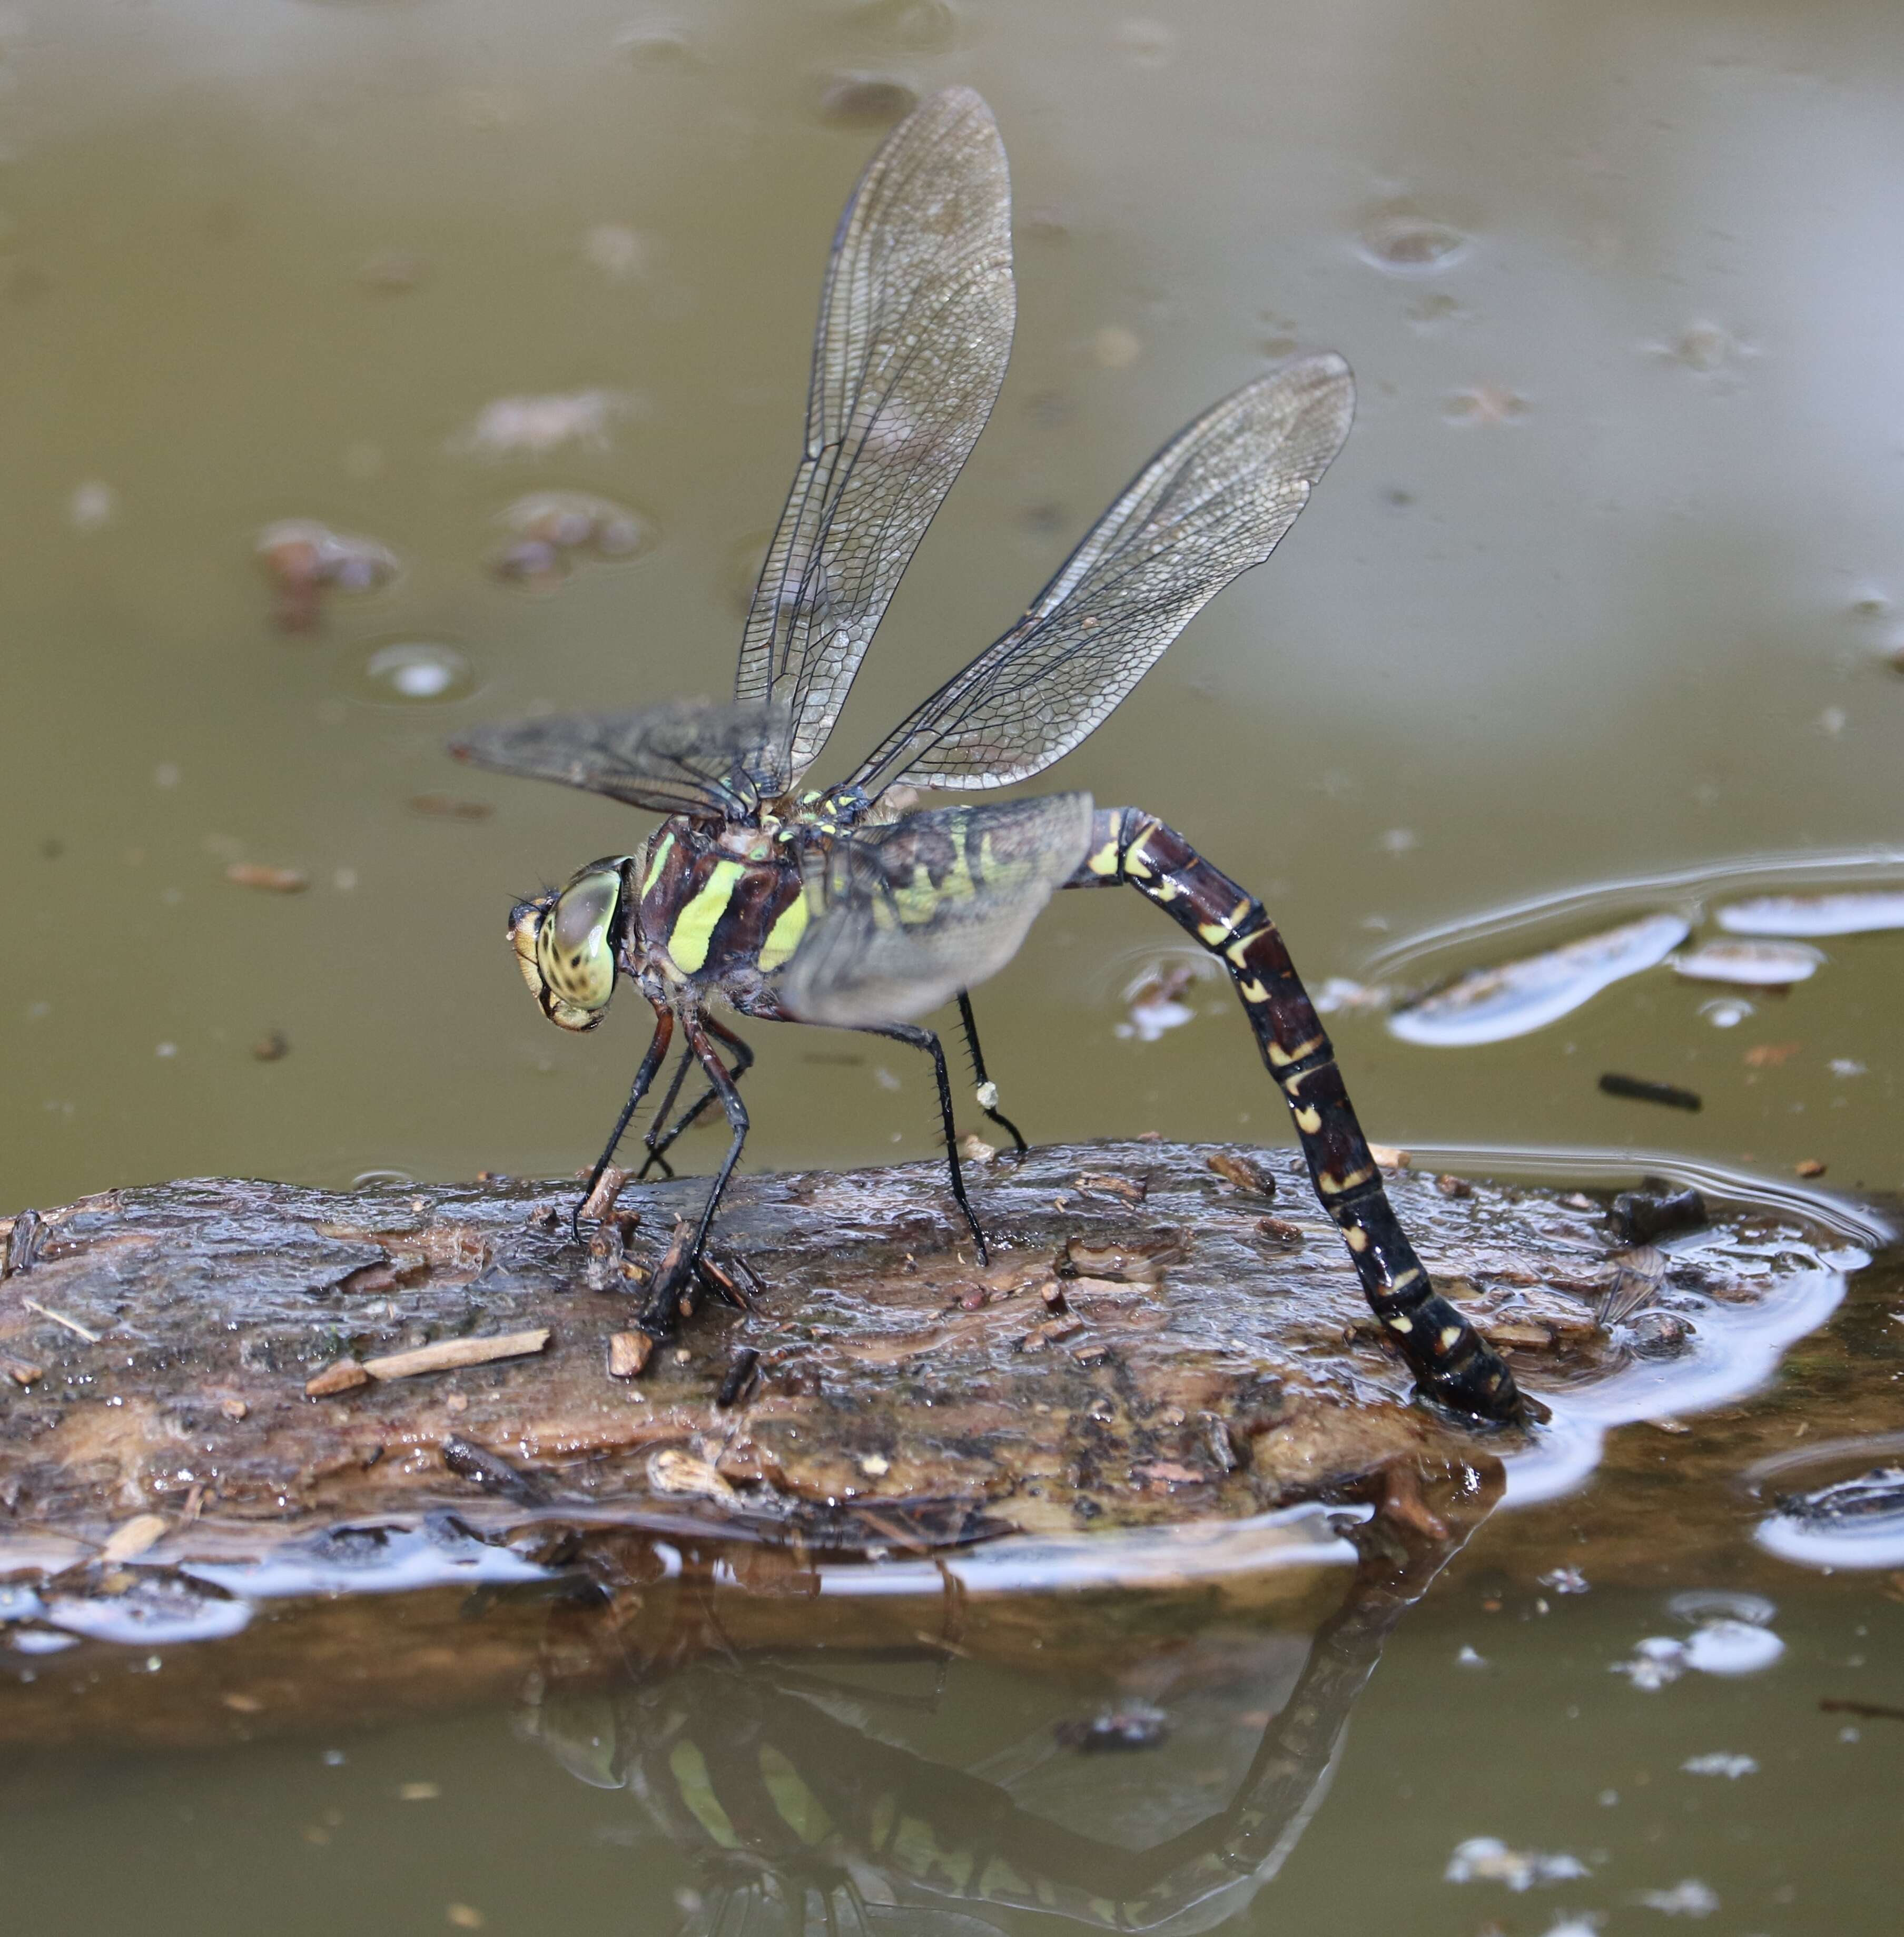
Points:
[(836, 905)]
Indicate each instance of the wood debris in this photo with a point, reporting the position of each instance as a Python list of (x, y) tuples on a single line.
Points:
[(1279, 1230), (60, 1318), (1451, 1185), (1101, 1183), (22, 1372), (600, 1200), (233, 1408), (447, 1354), (131, 1538), (342, 1375), (628, 1353), (1050, 1332), (1389, 1158), (272, 880), (1240, 1171), (1809, 1166)]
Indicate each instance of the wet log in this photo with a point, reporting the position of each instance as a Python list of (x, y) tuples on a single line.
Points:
[(1148, 1344), (217, 1394)]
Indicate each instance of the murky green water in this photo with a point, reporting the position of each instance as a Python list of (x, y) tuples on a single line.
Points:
[(1604, 589)]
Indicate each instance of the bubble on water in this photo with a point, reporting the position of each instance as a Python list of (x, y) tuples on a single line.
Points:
[(1703, 1604), (1494, 1005), (657, 43), (1400, 237), (1857, 912), (418, 671), (1719, 1763), (869, 100), (1756, 964), (1726, 1011), (1148, 43), (92, 505), (617, 251), (1733, 1648), (40, 1641), (372, 1179)]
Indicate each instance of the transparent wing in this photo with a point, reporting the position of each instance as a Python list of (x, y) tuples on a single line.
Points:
[(908, 915), (915, 327), (687, 757), (1214, 501)]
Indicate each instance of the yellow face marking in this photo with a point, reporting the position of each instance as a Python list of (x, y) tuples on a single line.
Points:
[(800, 1809), (690, 1771), (1105, 861), (784, 936), (694, 927), (658, 862)]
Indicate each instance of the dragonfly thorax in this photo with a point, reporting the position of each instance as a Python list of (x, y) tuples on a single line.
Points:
[(716, 904)]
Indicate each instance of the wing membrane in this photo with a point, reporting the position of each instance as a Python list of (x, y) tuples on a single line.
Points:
[(1215, 501), (688, 757), (915, 327), (910, 914)]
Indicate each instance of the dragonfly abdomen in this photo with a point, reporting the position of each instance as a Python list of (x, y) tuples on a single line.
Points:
[(1447, 1354)]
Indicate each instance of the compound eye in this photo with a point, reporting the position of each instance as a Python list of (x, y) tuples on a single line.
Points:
[(575, 951)]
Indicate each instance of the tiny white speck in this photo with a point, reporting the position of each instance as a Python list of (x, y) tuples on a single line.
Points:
[(92, 505), (165, 774), (166, 1049), (344, 879)]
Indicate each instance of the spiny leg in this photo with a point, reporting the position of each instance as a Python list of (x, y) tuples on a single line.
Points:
[(922, 1038), (664, 1032), (663, 1110), (659, 1143), (1448, 1356), (670, 1294), (988, 1090)]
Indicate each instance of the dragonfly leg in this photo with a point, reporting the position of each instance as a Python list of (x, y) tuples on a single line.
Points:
[(658, 1143), (670, 1294), (988, 1090), (662, 1112), (664, 1032), (1451, 1360), (922, 1038)]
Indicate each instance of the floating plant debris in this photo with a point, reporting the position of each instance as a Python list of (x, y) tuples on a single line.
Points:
[(1755, 964), (1643, 1217), (1488, 1859), (304, 560), (271, 880), (1851, 913), (1401, 239), (1494, 1005), (549, 528), (1643, 1090), (864, 100), (532, 426)]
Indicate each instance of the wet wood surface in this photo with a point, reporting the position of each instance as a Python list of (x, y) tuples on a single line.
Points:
[(220, 1374)]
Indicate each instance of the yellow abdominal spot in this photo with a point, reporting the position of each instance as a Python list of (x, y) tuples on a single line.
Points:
[(800, 1809), (1000, 1879), (694, 927), (1212, 931), (1309, 1119), (690, 1771), (784, 936), (1105, 861)]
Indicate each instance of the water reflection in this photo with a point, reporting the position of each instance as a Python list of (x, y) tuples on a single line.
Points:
[(807, 1796)]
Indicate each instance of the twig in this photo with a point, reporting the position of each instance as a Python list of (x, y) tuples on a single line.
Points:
[(60, 1318)]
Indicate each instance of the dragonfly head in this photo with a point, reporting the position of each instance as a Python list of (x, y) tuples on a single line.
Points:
[(564, 944)]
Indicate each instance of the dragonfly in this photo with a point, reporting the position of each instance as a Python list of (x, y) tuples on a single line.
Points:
[(850, 906)]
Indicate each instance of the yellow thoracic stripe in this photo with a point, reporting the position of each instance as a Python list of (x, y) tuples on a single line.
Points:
[(655, 866), (694, 927), (689, 1768), (784, 936)]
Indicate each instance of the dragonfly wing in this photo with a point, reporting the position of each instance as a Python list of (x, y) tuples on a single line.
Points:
[(915, 327), (688, 757), (908, 915), (1215, 501)]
